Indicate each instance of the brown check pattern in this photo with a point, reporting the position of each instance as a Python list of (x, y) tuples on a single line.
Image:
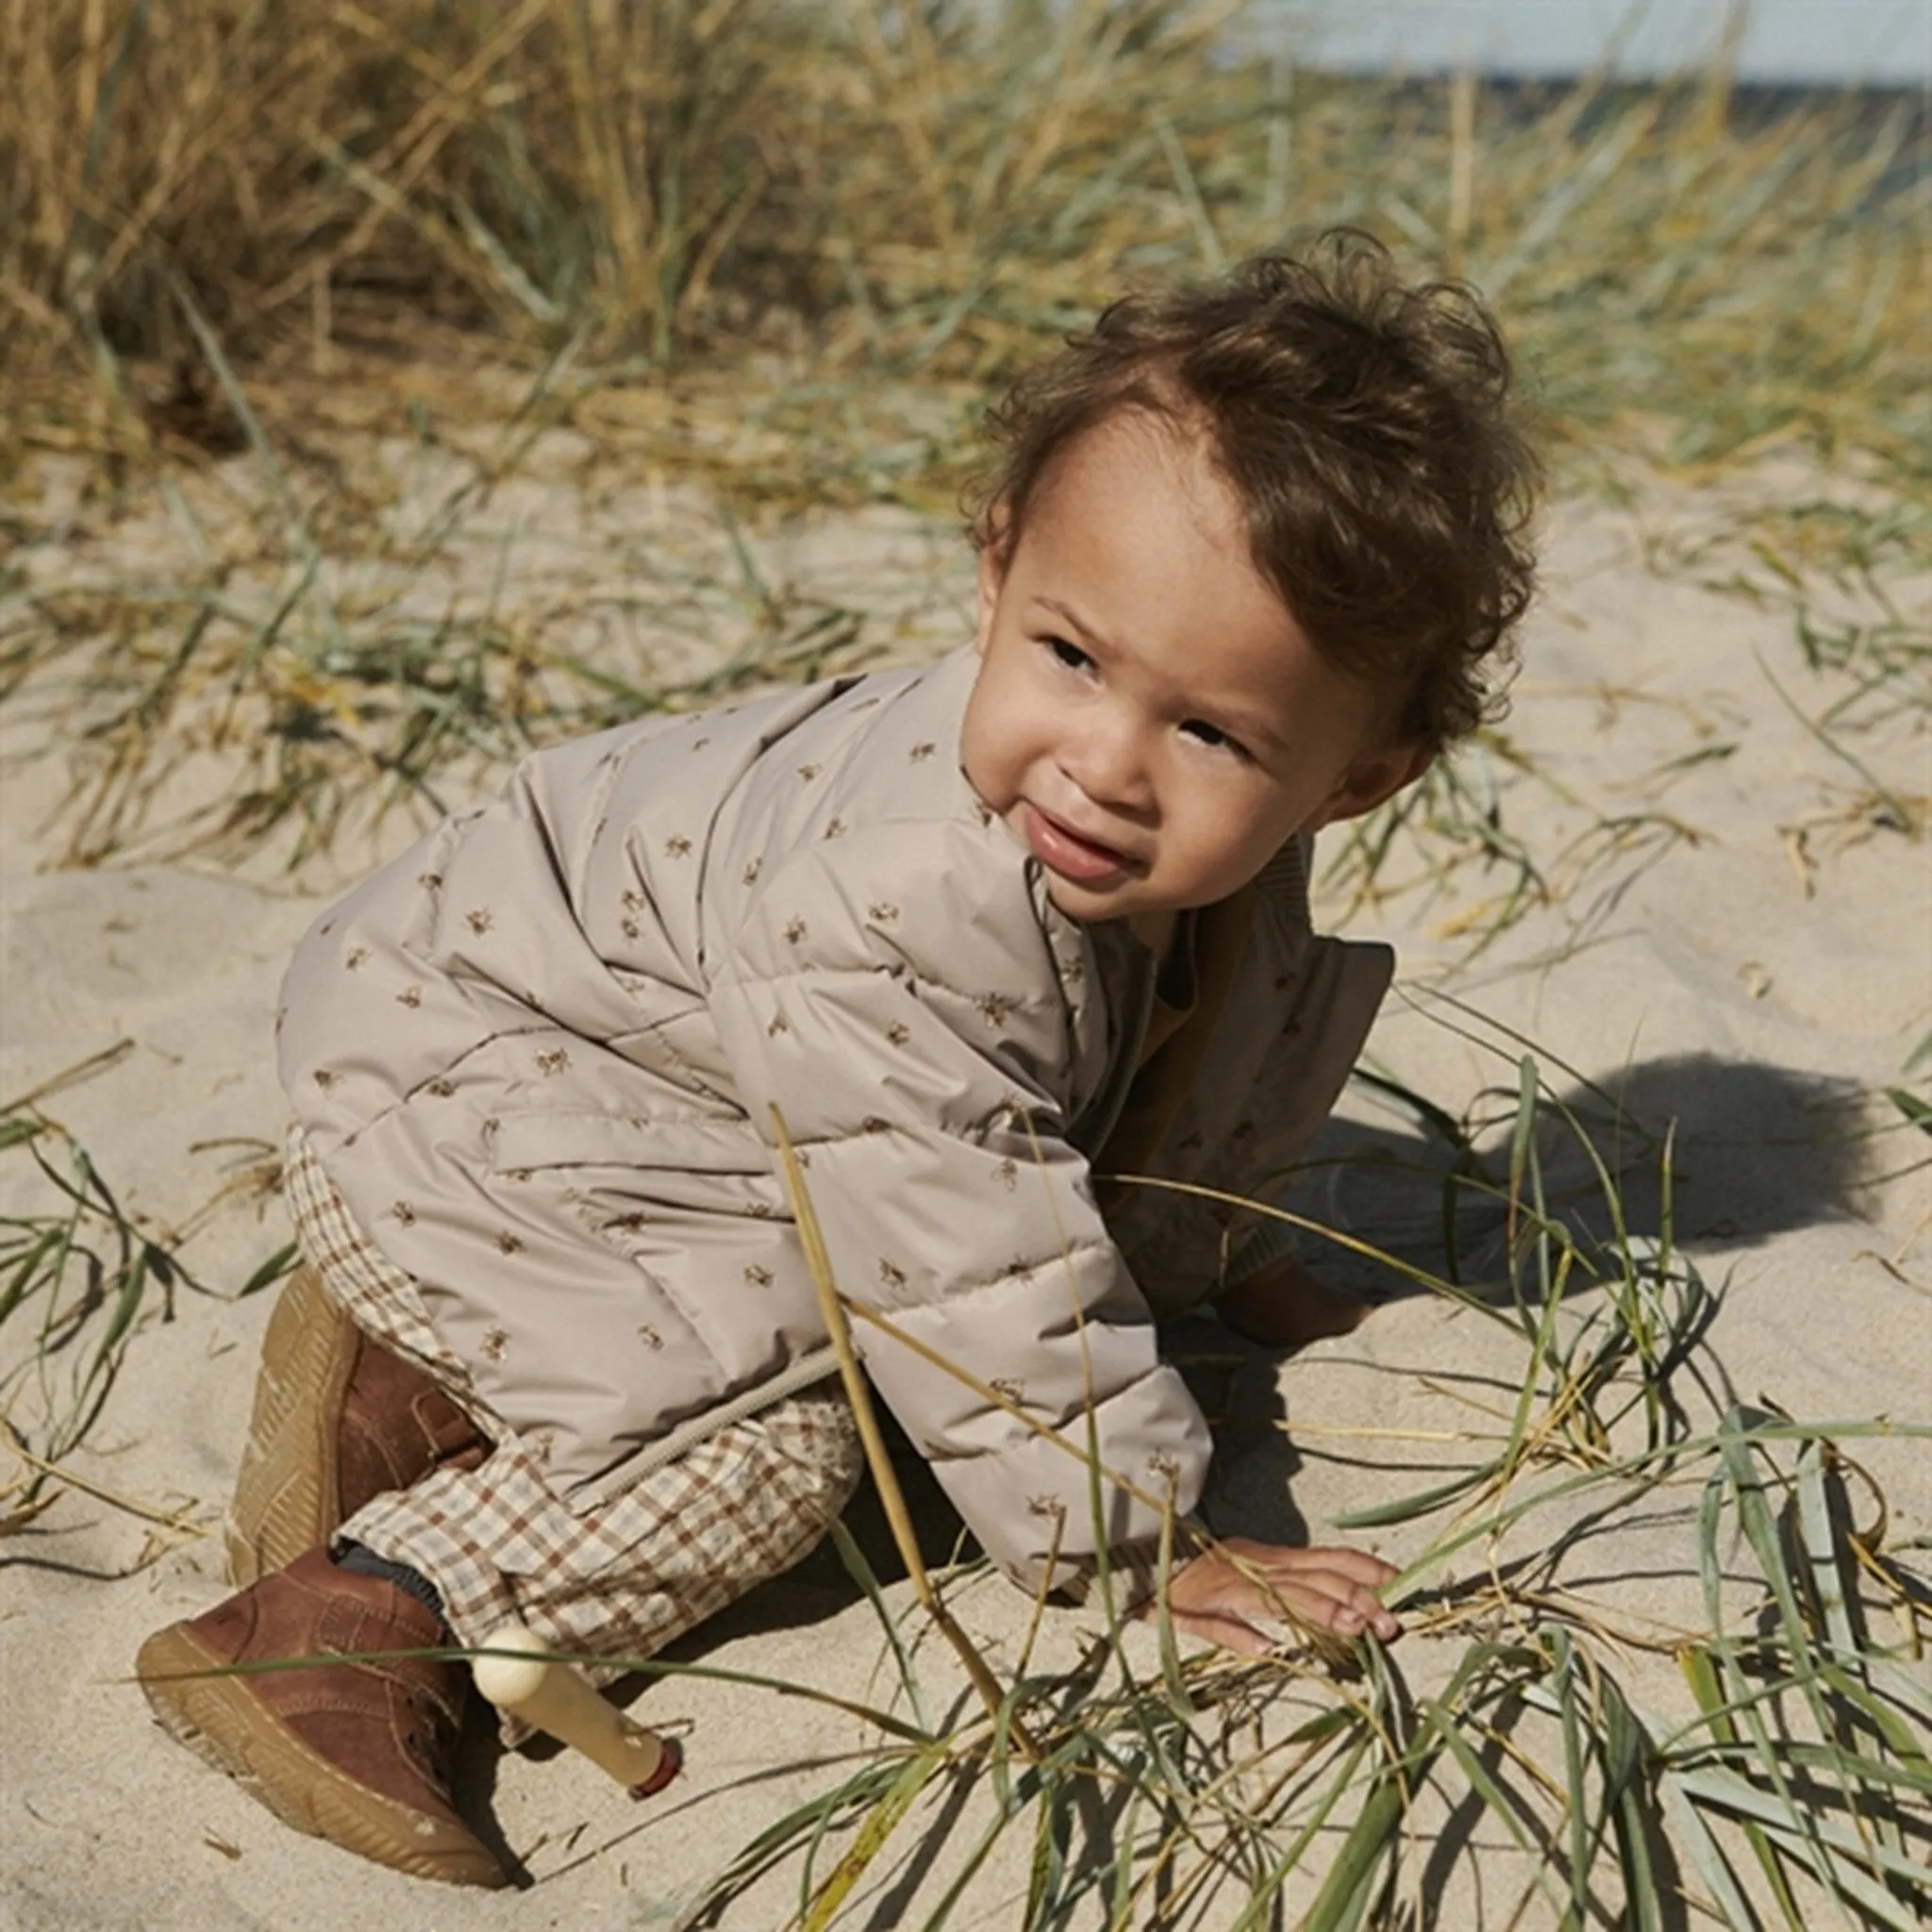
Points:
[(626, 1579), (379, 1295), (618, 1581)]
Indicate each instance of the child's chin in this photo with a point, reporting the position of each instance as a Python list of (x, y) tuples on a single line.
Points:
[(1085, 904)]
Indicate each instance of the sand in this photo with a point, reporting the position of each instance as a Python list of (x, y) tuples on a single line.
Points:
[(1750, 957)]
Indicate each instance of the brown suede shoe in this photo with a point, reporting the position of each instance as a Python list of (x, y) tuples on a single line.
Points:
[(1286, 1307), (356, 1753), (338, 1419)]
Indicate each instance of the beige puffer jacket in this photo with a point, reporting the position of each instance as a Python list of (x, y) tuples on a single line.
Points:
[(537, 1056)]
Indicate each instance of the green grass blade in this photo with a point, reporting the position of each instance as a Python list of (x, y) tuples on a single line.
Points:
[(1008, 1804), (1178, 1700), (1423, 1503), (1700, 1672), (1502, 1807), (270, 1271), (1625, 1751), (1258, 1912), (1859, 1690), (862, 1574), (1576, 1754), (26, 1273), (1047, 1870), (803, 1825), (1834, 1853), (1363, 1862), (1707, 1856), (875, 1829)]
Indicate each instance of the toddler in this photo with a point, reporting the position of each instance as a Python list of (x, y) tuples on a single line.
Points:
[(987, 936)]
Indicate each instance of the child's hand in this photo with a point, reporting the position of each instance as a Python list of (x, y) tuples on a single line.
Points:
[(1229, 1593)]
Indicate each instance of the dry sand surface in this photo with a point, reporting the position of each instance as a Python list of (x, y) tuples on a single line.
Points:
[(1748, 955)]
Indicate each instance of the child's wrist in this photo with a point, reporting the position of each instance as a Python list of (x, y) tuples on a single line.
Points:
[(1134, 1570)]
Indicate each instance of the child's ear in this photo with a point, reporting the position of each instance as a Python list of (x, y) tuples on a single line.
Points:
[(995, 552), (992, 574), (1373, 776)]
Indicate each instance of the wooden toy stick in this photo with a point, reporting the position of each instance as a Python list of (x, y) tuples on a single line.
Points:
[(547, 1694)]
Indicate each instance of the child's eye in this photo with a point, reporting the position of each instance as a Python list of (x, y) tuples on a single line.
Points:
[(1204, 733), (1072, 656)]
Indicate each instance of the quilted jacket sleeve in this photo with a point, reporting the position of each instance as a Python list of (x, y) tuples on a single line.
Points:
[(916, 1040), (1295, 1019), (1265, 1092)]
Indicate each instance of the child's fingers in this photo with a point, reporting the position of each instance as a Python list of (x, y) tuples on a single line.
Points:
[(1252, 1582), (1326, 1598), (1231, 1633), (1277, 1559), (1360, 1610), (1242, 1616)]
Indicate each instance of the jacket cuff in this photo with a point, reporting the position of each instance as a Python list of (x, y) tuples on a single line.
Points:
[(1135, 1570)]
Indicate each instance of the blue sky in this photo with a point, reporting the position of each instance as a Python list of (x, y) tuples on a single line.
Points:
[(1810, 40)]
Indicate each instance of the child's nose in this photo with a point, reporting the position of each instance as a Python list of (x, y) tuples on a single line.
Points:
[(1107, 761)]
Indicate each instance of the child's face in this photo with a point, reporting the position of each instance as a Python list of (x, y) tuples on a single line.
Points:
[(1149, 720)]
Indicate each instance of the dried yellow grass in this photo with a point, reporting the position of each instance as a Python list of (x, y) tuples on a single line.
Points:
[(935, 191)]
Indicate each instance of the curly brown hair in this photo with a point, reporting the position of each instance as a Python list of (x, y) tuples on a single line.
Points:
[(1364, 423)]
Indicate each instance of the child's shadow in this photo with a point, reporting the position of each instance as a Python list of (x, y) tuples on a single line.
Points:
[(1237, 1384), (1741, 1151), (1755, 1151)]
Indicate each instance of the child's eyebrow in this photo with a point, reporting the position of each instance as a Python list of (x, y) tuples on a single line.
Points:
[(1070, 617)]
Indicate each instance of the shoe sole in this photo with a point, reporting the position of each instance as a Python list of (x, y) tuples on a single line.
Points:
[(221, 1721), (288, 1493)]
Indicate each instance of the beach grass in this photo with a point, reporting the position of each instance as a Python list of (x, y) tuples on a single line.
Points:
[(786, 253), (80, 1279), (1510, 1740), (1320, 1785), (326, 296), (932, 191)]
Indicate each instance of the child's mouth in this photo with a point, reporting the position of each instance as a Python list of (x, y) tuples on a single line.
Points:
[(1061, 849)]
